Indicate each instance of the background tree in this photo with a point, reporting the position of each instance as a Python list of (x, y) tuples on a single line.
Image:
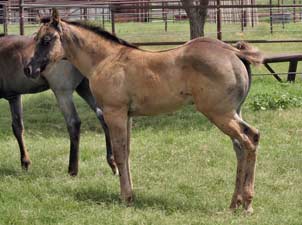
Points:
[(197, 16)]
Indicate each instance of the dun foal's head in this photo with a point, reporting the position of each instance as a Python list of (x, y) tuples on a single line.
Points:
[(48, 49)]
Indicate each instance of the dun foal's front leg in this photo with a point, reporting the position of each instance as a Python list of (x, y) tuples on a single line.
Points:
[(119, 124), (15, 104)]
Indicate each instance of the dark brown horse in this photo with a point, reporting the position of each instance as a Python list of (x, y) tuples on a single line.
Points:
[(15, 52), (127, 81)]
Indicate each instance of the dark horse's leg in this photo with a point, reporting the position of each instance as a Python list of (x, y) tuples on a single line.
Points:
[(84, 91), (73, 123), (15, 104)]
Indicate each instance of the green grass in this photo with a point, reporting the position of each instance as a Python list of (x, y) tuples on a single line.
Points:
[(183, 167)]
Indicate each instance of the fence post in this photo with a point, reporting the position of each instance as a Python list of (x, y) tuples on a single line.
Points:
[(5, 19), (292, 70), (242, 16), (294, 11), (85, 11), (21, 15), (300, 13), (271, 16), (219, 34), (252, 12), (282, 12), (103, 16), (112, 21), (164, 15)]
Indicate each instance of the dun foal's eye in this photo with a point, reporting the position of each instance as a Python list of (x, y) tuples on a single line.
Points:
[(46, 40)]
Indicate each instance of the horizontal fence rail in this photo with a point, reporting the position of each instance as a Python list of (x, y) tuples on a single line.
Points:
[(25, 11), (158, 6)]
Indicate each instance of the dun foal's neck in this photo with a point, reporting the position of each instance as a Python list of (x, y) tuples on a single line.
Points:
[(85, 49)]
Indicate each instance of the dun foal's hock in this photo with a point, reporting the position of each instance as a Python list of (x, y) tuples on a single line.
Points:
[(127, 81)]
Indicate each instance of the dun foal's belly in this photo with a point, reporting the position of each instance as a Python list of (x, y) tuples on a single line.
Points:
[(148, 106)]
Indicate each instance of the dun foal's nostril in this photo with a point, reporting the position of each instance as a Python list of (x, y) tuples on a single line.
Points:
[(256, 138)]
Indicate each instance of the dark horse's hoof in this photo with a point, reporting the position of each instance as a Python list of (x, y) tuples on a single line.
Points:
[(25, 164), (72, 172)]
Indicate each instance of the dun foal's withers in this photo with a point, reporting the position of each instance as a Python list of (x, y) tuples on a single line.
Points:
[(127, 81)]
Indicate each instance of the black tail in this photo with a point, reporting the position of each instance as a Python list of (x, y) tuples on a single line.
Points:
[(248, 55), (247, 65), (249, 72)]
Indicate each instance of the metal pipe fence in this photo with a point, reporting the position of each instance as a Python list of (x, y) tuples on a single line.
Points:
[(221, 14)]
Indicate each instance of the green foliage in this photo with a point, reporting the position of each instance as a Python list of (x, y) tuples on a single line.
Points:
[(275, 101)]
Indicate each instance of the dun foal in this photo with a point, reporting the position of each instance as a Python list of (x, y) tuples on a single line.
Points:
[(127, 81)]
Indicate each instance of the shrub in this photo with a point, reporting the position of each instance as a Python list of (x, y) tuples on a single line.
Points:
[(265, 101)]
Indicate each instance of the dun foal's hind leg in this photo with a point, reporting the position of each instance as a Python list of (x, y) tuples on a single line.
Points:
[(117, 121), (73, 123), (84, 91), (15, 104), (240, 155), (245, 139), (129, 127)]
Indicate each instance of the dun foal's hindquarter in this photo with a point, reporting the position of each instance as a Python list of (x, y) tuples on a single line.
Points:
[(62, 78), (127, 81)]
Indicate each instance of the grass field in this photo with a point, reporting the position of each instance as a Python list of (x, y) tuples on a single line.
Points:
[(183, 167)]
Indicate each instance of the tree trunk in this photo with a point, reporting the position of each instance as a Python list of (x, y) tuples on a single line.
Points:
[(197, 16)]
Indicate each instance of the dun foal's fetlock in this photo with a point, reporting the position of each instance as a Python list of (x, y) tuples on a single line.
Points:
[(112, 164)]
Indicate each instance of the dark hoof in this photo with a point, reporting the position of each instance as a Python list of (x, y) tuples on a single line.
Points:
[(25, 163), (73, 172)]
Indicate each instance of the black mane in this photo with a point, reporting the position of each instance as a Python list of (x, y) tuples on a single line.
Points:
[(95, 29), (101, 32), (45, 19)]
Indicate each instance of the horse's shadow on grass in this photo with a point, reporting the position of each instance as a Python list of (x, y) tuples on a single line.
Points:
[(9, 171), (141, 201)]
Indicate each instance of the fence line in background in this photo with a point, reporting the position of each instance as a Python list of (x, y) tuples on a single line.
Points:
[(113, 11)]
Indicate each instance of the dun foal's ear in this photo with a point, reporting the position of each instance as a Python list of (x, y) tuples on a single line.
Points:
[(38, 17), (55, 20), (55, 15)]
